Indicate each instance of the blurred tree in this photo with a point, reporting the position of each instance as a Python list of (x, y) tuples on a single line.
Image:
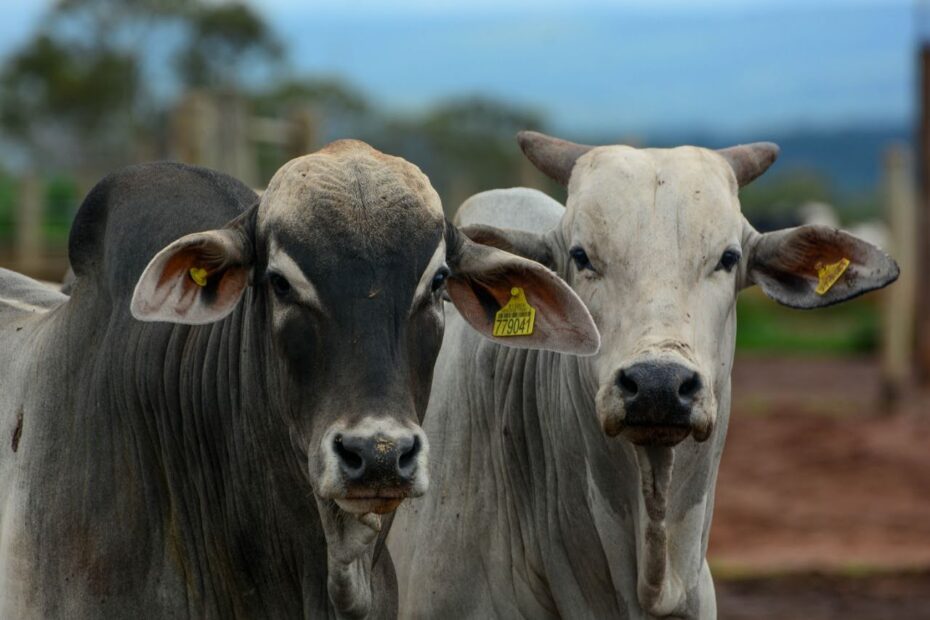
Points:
[(90, 90), (224, 41), (111, 24), (329, 96), (326, 109), (773, 202), (465, 145), (65, 106)]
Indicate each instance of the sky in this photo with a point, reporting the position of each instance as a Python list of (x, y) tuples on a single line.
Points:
[(620, 66)]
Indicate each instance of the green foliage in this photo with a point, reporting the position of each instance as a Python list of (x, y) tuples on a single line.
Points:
[(777, 197), (222, 39), (46, 82), (332, 98), (464, 146), (7, 207), (75, 91), (62, 196), (764, 325), (784, 192)]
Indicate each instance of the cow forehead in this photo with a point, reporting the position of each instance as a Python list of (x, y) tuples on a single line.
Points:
[(353, 221), (654, 195), (352, 191)]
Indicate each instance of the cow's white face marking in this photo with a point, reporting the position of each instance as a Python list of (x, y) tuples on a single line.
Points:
[(654, 224), (281, 263), (435, 265)]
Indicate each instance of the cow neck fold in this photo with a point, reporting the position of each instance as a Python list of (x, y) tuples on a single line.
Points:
[(206, 468), (600, 500)]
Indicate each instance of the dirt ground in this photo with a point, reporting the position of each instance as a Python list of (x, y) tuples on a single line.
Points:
[(822, 597), (823, 500)]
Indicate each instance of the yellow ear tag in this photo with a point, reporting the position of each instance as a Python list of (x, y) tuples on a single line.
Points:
[(516, 317), (199, 276), (829, 274)]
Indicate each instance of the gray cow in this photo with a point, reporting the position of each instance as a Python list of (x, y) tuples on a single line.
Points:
[(583, 487), (213, 423)]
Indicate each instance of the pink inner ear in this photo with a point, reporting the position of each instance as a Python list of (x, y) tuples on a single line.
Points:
[(468, 304), (809, 248), (562, 323), (167, 292), (233, 281), (177, 272)]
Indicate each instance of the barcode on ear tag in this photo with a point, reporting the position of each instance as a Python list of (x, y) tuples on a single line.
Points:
[(516, 317)]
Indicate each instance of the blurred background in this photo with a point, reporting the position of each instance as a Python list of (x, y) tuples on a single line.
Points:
[(823, 506)]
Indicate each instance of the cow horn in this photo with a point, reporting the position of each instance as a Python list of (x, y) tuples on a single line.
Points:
[(750, 160), (554, 157)]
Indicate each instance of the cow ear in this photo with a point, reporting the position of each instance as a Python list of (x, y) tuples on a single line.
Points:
[(199, 278), (816, 266), (522, 243), (485, 279)]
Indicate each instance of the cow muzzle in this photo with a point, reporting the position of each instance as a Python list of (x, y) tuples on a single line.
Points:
[(655, 402), (374, 466)]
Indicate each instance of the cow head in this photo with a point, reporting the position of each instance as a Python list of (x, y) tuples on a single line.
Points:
[(346, 259), (654, 243)]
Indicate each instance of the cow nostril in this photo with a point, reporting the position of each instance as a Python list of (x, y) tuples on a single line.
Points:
[(351, 459), (627, 385), (408, 458), (690, 387)]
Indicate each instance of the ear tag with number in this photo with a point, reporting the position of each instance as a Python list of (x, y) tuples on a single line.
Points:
[(516, 317), (199, 276), (829, 274)]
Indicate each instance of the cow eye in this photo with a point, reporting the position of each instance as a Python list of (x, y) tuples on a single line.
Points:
[(581, 259), (440, 278), (279, 284), (728, 260)]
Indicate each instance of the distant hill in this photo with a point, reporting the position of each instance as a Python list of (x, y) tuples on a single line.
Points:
[(850, 159)]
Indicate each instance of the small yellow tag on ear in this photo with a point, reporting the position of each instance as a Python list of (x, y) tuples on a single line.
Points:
[(199, 276), (829, 274), (516, 317)]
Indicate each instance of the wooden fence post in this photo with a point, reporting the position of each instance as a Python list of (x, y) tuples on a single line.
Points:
[(194, 127), (236, 153), (303, 133), (899, 300), (922, 266)]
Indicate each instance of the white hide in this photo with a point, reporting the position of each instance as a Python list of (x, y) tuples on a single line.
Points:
[(535, 511)]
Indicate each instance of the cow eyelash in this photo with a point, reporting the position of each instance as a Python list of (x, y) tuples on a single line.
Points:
[(580, 257), (728, 260)]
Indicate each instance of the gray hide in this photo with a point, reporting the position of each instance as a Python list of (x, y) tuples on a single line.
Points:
[(559, 494)]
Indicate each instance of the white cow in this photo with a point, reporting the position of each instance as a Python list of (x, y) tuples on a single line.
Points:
[(583, 487)]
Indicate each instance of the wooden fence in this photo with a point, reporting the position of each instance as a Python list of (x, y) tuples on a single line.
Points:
[(218, 132)]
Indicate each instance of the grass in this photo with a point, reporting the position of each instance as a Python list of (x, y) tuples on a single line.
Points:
[(765, 326), (61, 199)]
